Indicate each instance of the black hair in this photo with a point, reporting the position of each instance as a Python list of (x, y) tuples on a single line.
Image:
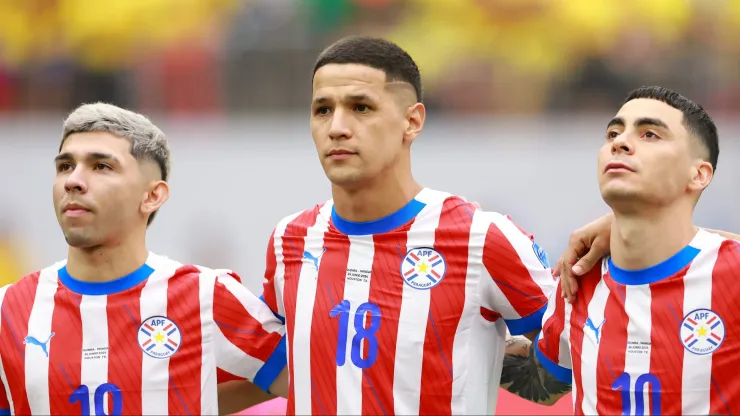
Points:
[(695, 118), (376, 53)]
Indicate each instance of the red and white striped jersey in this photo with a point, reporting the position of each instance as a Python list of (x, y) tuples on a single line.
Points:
[(662, 340), (152, 340), (402, 315)]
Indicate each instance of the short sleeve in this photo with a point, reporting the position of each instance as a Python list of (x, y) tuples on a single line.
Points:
[(250, 342), (553, 343), (516, 279), (270, 289)]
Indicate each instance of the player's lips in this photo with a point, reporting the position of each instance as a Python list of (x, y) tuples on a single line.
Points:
[(340, 154), (618, 167), (74, 209)]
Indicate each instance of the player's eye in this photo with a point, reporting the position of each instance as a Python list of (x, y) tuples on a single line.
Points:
[(650, 135), (321, 111), (362, 108), (63, 167), (101, 166), (612, 134)]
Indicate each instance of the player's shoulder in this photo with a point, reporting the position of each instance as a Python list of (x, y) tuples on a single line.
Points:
[(31, 280), (167, 268), (304, 218), (714, 247)]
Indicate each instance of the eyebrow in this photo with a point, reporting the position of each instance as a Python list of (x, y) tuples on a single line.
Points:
[(93, 156), (350, 97), (640, 122)]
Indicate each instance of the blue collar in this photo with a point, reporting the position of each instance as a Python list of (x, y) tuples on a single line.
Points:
[(652, 274), (379, 226), (105, 288)]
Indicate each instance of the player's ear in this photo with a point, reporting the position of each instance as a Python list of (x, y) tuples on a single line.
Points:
[(415, 116), (702, 174), (155, 197)]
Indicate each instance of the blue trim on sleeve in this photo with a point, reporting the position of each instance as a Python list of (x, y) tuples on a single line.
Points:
[(272, 368), (564, 375), (4, 412), (527, 324), (105, 288), (277, 315), (379, 226), (652, 274)]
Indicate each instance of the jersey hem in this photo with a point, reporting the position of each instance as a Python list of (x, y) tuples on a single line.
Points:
[(272, 367), (564, 375), (526, 324)]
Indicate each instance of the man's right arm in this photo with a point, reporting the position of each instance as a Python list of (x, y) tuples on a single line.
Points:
[(537, 366)]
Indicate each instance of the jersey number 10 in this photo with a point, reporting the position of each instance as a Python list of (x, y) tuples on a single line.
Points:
[(342, 311), (82, 395)]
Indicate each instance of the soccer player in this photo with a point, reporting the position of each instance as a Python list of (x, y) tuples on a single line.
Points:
[(396, 297), (115, 329), (654, 329)]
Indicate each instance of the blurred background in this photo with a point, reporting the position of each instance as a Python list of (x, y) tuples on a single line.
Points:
[(518, 92)]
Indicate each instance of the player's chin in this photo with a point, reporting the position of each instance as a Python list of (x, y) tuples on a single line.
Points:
[(80, 238), (618, 192), (343, 175)]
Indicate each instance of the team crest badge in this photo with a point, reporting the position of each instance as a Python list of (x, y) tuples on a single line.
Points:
[(702, 331), (423, 268), (159, 337)]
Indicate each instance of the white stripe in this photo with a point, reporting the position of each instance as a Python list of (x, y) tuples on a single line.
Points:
[(413, 317), (472, 391), (95, 347), (590, 347), (208, 380), (637, 307), (356, 294), (4, 377), (155, 372), (306, 294), (279, 279), (696, 379), (39, 327)]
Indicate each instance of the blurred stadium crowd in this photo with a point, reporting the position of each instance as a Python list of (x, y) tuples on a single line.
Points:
[(490, 56)]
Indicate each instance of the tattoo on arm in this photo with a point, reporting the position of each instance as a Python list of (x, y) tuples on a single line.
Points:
[(523, 374)]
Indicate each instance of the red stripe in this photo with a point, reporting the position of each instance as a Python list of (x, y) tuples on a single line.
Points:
[(610, 362), (489, 315), (167, 328), (16, 310), (578, 315), (666, 309), (148, 327), (325, 328), (125, 362), (64, 363), (709, 322), (183, 297), (386, 290), (408, 272), (725, 388), (549, 343), (693, 322), (451, 239), (715, 336), (268, 290), (292, 248), (414, 256)]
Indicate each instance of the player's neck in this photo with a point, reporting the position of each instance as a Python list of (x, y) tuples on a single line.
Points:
[(641, 241), (106, 263), (374, 200)]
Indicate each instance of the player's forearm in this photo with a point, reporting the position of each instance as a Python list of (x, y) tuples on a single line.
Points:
[(725, 234), (523, 375), (235, 396)]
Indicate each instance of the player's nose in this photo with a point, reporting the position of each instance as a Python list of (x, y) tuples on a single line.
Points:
[(622, 144), (76, 181), (341, 127)]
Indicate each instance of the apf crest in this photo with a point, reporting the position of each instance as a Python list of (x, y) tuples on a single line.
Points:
[(423, 268), (159, 337), (702, 331)]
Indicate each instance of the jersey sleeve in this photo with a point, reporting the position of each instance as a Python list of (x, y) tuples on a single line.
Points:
[(250, 342), (516, 277), (552, 345), (270, 291)]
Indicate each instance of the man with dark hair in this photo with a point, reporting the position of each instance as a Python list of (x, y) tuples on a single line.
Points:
[(656, 326)]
